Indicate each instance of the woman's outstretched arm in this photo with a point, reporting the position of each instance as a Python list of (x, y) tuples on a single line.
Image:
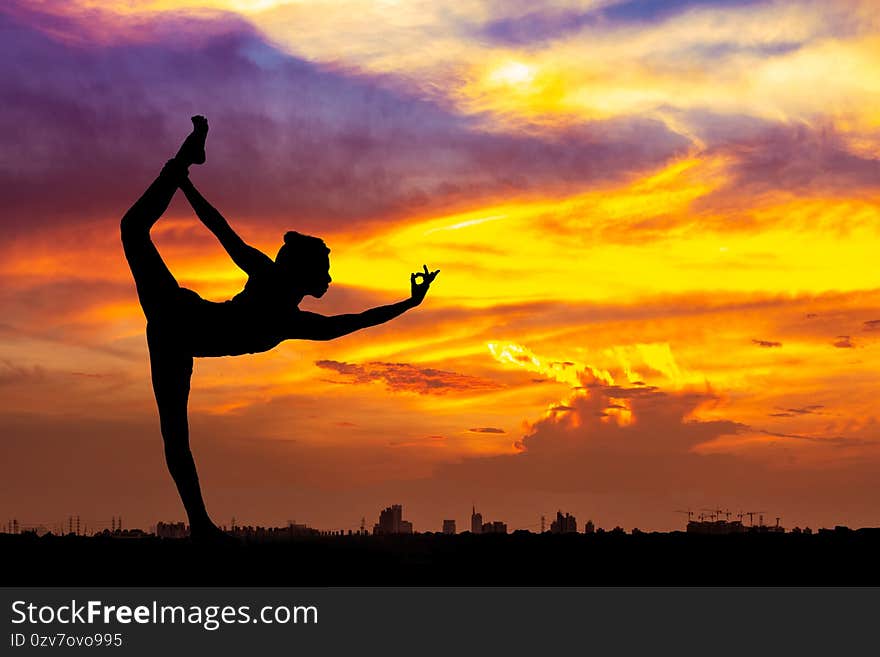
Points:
[(248, 258), (312, 326)]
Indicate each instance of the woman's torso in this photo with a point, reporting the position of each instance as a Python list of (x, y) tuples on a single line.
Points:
[(253, 321)]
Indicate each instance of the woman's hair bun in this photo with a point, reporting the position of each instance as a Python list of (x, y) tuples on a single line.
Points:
[(296, 245)]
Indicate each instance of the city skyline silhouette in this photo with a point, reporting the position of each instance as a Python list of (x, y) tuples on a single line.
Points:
[(392, 554), (390, 521)]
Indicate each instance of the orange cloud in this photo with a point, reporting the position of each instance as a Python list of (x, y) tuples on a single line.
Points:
[(405, 377)]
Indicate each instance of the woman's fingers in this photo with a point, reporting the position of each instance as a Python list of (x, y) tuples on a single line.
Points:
[(427, 276)]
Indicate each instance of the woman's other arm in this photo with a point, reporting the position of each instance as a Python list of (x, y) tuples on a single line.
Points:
[(312, 326), (248, 258)]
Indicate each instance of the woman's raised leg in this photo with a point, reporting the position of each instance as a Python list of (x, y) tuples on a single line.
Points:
[(154, 281)]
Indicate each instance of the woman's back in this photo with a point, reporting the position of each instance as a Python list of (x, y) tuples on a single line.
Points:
[(252, 321)]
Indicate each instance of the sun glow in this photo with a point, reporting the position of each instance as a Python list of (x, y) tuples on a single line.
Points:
[(513, 73)]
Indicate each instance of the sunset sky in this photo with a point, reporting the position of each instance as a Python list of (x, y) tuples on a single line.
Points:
[(657, 226)]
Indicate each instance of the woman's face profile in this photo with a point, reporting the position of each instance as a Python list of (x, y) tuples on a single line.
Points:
[(315, 276), (322, 284)]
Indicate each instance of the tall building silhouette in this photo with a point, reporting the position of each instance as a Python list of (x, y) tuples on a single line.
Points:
[(391, 522), (564, 524), (172, 529), (449, 526), (476, 521), (494, 527)]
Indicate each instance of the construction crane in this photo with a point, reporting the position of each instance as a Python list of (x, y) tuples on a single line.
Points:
[(751, 515), (688, 513), (717, 513)]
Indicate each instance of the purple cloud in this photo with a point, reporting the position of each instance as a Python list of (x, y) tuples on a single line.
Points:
[(545, 25), (290, 143), (797, 158)]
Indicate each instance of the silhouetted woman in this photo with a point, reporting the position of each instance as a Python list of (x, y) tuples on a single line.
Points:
[(181, 325)]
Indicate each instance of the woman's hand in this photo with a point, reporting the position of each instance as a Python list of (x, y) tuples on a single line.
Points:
[(419, 290)]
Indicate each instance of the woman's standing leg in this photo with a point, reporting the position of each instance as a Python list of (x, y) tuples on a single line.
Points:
[(171, 370)]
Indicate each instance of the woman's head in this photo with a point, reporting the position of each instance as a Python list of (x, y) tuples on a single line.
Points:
[(306, 260)]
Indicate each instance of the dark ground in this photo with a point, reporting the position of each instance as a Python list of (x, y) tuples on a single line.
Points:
[(841, 557)]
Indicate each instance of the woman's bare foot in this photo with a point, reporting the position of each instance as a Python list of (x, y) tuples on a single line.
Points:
[(192, 151), (211, 534)]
